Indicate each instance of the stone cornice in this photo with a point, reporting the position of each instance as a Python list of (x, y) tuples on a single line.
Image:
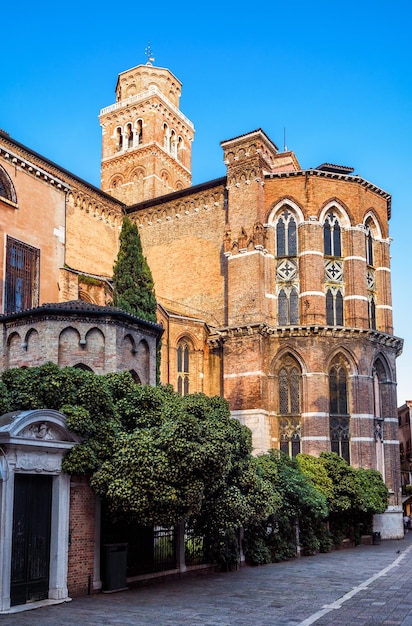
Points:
[(81, 312), (31, 168), (43, 167), (153, 149), (221, 335), (144, 95)]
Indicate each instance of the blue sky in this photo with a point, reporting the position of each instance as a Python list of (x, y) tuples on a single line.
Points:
[(336, 76)]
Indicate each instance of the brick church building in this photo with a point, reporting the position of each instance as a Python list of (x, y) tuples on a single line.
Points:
[(273, 282)]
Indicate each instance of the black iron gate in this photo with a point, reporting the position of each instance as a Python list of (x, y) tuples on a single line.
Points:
[(30, 561)]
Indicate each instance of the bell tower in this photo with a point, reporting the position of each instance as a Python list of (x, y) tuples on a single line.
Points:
[(146, 139)]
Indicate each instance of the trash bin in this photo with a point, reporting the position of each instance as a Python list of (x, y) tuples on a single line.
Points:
[(376, 539), (114, 567)]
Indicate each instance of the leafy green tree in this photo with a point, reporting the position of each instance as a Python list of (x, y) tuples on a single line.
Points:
[(133, 287), (160, 458), (315, 470), (163, 459), (240, 497), (353, 495), (155, 457), (373, 495), (299, 504), (5, 405)]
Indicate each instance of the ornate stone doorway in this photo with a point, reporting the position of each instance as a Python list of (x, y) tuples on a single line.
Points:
[(34, 508)]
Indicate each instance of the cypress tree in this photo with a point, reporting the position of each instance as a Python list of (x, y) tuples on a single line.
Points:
[(133, 286)]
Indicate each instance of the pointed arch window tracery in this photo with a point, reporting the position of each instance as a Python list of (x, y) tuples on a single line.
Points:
[(339, 418), (288, 306), (370, 274), (334, 279), (286, 235), (334, 307), (289, 402), (332, 240), (381, 409), (287, 273), (183, 367)]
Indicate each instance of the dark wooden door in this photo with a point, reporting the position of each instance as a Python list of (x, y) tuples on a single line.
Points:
[(30, 562)]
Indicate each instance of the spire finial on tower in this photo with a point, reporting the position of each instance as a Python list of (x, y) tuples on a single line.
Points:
[(149, 54)]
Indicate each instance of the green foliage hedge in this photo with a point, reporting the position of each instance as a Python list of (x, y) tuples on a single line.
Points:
[(161, 459)]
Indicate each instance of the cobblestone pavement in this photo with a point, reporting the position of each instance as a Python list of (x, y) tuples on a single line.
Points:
[(362, 586)]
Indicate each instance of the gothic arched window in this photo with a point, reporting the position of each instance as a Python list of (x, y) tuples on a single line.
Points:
[(289, 407), (382, 386), (288, 307), (332, 236), (287, 273), (370, 275), (338, 410), (369, 244), (334, 307), (183, 365), (382, 407), (286, 240)]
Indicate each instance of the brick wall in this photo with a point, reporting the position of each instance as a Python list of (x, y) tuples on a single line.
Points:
[(81, 537)]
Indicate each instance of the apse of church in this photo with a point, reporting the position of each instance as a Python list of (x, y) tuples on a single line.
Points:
[(296, 300)]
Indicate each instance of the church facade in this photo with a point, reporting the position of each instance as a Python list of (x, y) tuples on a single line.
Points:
[(273, 282)]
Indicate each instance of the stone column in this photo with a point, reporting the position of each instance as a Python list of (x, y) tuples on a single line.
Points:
[(6, 528)]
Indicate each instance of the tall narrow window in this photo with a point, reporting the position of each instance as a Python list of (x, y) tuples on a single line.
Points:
[(334, 307), (173, 144), (370, 276), (166, 137), (333, 270), (22, 276), (372, 312), (287, 276), (139, 133), (332, 236), (119, 139), (286, 244), (183, 363), (381, 408), (288, 307), (289, 407), (179, 148), (129, 136), (369, 246), (338, 410)]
